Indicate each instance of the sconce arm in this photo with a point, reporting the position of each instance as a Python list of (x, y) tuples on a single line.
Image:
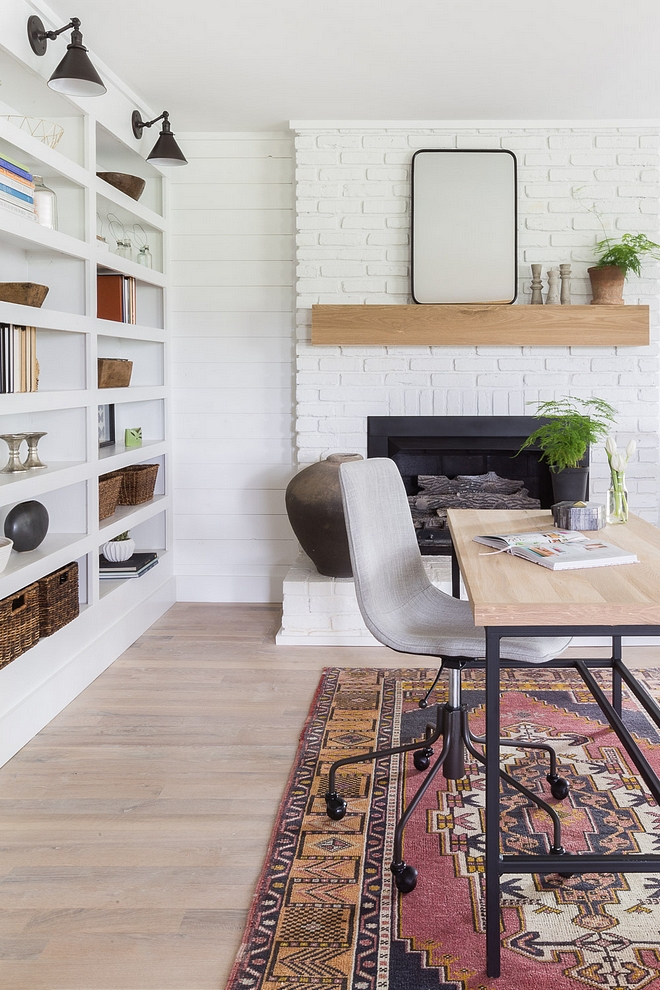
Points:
[(139, 124)]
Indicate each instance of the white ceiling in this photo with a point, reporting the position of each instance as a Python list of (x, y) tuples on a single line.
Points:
[(253, 64)]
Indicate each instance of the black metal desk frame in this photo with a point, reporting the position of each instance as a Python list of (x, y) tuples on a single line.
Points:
[(497, 864)]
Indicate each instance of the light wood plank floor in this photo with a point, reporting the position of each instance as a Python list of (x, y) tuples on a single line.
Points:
[(133, 827)]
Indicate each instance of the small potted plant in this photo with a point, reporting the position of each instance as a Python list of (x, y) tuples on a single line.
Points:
[(120, 547), (615, 262), (571, 426)]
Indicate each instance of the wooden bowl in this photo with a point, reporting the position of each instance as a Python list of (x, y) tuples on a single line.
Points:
[(131, 185), (24, 293)]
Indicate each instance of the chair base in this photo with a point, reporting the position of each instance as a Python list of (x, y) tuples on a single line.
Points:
[(452, 726)]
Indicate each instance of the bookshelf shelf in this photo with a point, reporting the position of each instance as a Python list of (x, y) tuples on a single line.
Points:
[(69, 339)]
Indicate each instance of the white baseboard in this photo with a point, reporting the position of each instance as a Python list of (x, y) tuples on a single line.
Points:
[(48, 677), (264, 588)]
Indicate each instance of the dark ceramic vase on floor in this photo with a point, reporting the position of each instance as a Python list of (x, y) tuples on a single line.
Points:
[(313, 504), (570, 485)]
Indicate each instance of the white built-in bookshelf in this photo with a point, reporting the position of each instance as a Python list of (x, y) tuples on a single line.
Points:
[(70, 338)]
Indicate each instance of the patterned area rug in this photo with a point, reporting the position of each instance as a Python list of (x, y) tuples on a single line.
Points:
[(326, 912)]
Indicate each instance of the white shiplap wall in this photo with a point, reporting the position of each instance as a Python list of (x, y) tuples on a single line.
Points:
[(232, 324)]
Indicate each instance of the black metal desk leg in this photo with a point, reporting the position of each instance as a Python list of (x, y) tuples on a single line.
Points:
[(492, 803), (455, 574), (616, 676)]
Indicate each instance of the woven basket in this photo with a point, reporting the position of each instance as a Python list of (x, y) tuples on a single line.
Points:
[(138, 483), (19, 623), (109, 486), (58, 599)]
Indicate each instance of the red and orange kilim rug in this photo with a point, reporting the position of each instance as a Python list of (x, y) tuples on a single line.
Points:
[(327, 915)]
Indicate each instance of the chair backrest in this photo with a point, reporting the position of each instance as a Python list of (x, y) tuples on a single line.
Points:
[(387, 564)]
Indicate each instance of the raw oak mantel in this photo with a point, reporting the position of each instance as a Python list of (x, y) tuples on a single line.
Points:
[(471, 325)]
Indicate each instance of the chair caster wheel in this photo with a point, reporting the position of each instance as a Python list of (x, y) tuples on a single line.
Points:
[(560, 851), (422, 758), (335, 807), (405, 877), (559, 786)]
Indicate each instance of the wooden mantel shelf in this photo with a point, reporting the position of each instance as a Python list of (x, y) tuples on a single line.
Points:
[(471, 325)]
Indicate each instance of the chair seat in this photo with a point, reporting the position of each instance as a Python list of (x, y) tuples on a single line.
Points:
[(433, 623)]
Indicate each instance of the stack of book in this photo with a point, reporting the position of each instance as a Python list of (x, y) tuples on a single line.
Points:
[(16, 188), (134, 567), (19, 370), (115, 295)]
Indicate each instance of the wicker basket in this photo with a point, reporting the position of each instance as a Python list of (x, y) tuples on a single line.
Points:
[(109, 487), (58, 599), (19, 623), (138, 483)]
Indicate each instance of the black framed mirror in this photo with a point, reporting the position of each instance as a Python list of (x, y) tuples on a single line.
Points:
[(464, 226)]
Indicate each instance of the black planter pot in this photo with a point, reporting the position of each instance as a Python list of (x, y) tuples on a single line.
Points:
[(570, 485)]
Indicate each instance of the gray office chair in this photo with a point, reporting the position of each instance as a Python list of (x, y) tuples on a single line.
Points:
[(406, 612)]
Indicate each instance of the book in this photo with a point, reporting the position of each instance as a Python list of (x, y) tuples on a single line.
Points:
[(115, 297), (16, 167), (559, 549), (4, 348), (125, 576), (16, 182), (15, 206), (135, 566), (22, 197)]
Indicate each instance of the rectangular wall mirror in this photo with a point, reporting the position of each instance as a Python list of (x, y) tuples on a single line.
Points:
[(464, 227)]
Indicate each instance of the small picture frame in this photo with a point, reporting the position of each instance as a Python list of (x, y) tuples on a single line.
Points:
[(106, 425)]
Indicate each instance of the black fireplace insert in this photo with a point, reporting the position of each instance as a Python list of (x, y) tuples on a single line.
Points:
[(460, 445)]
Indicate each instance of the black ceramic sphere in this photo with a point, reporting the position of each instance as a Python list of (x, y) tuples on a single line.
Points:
[(27, 524)]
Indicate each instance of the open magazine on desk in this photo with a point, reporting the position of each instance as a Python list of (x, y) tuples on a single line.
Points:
[(559, 549)]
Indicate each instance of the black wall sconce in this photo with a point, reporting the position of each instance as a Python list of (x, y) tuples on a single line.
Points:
[(165, 151), (75, 75)]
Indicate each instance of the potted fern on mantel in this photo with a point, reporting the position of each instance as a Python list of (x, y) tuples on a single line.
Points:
[(616, 261), (572, 425)]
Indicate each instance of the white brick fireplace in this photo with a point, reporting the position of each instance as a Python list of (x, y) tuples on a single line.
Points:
[(353, 218)]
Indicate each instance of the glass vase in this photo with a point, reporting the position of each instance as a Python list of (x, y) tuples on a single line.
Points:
[(617, 499), (45, 204)]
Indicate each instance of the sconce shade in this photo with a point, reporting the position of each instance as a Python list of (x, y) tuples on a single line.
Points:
[(166, 151), (75, 75)]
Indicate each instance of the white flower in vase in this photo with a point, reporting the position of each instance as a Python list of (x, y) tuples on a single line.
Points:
[(617, 496)]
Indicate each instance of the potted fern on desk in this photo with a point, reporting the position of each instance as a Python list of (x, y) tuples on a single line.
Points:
[(572, 426)]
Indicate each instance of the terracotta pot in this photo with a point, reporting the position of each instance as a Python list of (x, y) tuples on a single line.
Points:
[(313, 504), (607, 285)]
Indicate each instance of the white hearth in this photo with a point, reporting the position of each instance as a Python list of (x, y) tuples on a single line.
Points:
[(323, 611)]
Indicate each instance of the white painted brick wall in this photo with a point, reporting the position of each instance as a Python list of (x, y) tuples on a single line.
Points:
[(353, 218)]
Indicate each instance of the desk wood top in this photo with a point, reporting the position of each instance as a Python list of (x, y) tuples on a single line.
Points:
[(505, 590)]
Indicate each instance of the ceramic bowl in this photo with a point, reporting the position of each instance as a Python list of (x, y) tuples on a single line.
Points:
[(5, 550), (131, 185)]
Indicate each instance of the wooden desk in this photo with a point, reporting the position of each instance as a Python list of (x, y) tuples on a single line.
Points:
[(513, 597), (505, 590)]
